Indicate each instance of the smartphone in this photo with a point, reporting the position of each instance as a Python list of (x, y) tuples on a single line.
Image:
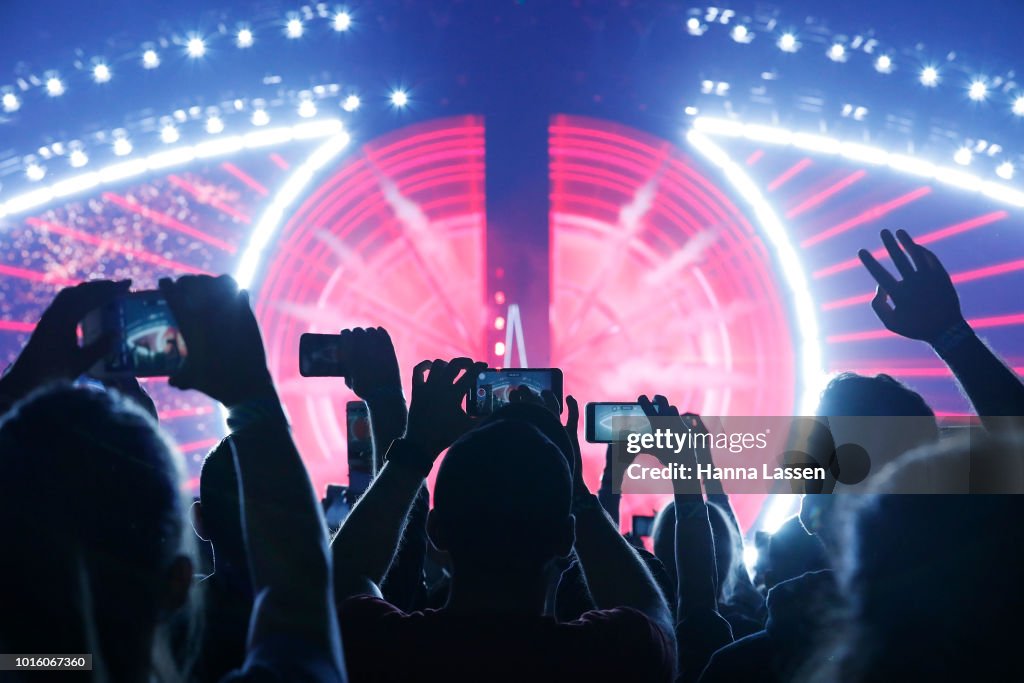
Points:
[(643, 525), (491, 388), (320, 356), (146, 339), (360, 446), (335, 504), (601, 419)]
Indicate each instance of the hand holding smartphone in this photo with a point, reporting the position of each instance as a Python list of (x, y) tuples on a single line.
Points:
[(144, 336), (603, 420), (493, 388), (321, 355)]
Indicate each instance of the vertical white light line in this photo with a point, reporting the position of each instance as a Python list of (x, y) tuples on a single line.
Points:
[(809, 357), (514, 336)]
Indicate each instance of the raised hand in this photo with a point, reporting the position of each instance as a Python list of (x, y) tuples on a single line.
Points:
[(572, 429), (661, 408), (924, 303), (225, 358), (436, 415), (53, 353), (703, 456), (373, 365)]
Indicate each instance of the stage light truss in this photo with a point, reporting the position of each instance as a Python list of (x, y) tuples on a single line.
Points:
[(865, 154), (176, 156)]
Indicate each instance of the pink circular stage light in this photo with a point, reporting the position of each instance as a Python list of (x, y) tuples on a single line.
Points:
[(660, 283)]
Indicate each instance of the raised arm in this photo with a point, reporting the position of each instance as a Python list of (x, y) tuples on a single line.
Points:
[(52, 353), (293, 626), (695, 546), (925, 306), (374, 377), (700, 629), (366, 543), (717, 496), (615, 573), (606, 493)]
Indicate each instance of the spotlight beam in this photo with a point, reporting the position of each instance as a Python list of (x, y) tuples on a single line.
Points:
[(246, 179), (918, 372), (16, 326), (1007, 320), (115, 246), (206, 198), (868, 216), (925, 239), (958, 278), (816, 199), (789, 174), (166, 221), (36, 276)]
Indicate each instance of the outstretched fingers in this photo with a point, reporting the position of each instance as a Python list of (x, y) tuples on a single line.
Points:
[(882, 276), (924, 258), (419, 373), (880, 304)]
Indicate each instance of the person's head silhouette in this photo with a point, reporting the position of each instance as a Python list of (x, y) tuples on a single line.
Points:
[(94, 527), (502, 503)]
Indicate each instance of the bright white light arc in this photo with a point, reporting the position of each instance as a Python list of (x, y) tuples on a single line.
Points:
[(704, 128), (808, 353), (274, 215), (867, 154), (174, 156)]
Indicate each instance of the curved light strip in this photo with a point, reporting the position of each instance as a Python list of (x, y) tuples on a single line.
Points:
[(174, 156), (272, 218), (809, 354), (865, 154)]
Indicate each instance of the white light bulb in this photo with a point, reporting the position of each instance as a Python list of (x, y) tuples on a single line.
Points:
[(169, 134), (122, 147), (101, 73), (195, 47), (342, 21), (978, 90), (54, 86), (244, 38), (787, 42), (399, 98)]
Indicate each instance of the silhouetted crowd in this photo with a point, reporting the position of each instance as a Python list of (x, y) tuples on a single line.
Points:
[(512, 569)]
